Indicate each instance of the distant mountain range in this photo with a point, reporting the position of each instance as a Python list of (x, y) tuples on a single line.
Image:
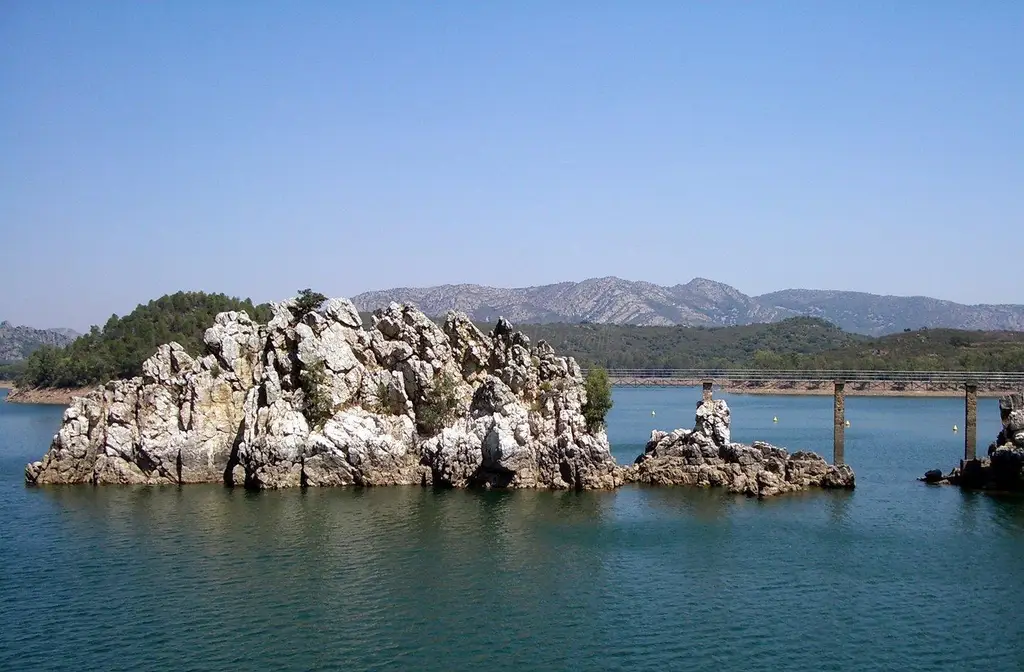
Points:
[(17, 343), (700, 302)]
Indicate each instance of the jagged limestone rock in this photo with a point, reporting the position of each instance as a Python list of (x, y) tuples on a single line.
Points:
[(314, 399), (705, 457)]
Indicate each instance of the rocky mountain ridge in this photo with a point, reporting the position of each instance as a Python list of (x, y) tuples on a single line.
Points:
[(700, 302), (17, 343)]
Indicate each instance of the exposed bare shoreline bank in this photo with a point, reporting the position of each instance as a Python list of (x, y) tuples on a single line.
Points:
[(63, 397), (56, 397)]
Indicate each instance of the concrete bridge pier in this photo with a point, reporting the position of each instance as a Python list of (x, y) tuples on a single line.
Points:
[(707, 391), (970, 422), (839, 423)]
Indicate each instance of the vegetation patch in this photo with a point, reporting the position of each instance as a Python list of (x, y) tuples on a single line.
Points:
[(386, 402), (438, 406), (599, 398), (318, 408), (118, 349), (307, 302)]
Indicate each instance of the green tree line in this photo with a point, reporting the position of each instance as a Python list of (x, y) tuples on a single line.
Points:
[(796, 343), (118, 349)]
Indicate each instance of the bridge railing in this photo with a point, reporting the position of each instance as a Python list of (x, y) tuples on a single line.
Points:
[(1009, 378)]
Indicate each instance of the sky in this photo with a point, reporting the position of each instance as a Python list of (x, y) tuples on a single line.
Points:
[(258, 148)]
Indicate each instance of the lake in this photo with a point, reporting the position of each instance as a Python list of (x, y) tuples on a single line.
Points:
[(896, 575)]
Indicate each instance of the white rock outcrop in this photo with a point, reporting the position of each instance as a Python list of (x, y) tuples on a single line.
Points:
[(705, 456), (315, 399)]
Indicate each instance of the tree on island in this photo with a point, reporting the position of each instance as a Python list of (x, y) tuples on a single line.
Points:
[(308, 301), (599, 397)]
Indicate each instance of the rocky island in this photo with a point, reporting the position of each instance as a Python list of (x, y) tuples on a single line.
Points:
[(312, 398), (1003, 468), (706, 456)]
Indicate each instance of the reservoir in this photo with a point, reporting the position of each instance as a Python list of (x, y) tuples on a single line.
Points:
[(893, 575)]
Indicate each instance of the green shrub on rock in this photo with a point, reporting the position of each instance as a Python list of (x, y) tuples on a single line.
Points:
[(307, 302), (599, 397), (438, 406), (318, 408)]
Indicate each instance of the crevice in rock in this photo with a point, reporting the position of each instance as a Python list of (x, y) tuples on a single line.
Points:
[(490, 477), (229, 469), (565, 471), (177, 465), (144, 461)]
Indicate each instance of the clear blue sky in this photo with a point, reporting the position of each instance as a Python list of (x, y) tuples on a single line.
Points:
[(256, 148)]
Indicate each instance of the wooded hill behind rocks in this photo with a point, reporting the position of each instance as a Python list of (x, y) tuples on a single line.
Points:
[(796, 343), (118, 349)]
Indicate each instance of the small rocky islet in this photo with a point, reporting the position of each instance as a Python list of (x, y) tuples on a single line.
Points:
[(1002, 469), (312, 398)]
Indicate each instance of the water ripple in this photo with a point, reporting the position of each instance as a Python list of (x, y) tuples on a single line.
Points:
[(892, 576)]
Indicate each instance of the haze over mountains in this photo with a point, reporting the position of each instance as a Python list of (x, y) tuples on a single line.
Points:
[(17, 343), (700, 302)]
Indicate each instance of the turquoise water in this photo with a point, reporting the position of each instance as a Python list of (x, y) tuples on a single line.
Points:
[(896, 575)]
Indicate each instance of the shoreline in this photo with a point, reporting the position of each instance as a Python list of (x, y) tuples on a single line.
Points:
[(63, 397), (49, 396)]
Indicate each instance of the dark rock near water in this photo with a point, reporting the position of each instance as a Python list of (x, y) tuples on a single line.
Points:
[(706, 457), (1003, 468)]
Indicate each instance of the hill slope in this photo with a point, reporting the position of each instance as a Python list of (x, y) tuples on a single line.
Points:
[(119, 348), (700, 302), (795, 343), (610, 300), (876, 314), (17, 343)]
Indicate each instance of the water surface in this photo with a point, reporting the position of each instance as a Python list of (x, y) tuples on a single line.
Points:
[(895, 575)]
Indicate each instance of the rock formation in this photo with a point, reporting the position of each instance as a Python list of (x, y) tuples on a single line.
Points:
[(705, 456), (312, 398), (1003, 468)]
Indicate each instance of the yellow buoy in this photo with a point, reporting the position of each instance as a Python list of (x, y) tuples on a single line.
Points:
[(775, 419), (955, 428)]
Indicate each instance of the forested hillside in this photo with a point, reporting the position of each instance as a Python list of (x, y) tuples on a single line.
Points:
[(118, 349), (796, 343), (619, 346)]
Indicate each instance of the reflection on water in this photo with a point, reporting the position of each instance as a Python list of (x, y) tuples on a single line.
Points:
[(895, 575)]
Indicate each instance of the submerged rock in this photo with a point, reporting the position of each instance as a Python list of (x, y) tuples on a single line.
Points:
[(705, 457), (315, 400)]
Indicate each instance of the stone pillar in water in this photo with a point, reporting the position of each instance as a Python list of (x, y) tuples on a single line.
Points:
[(971, 422), (707, 392), (839, 424)]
